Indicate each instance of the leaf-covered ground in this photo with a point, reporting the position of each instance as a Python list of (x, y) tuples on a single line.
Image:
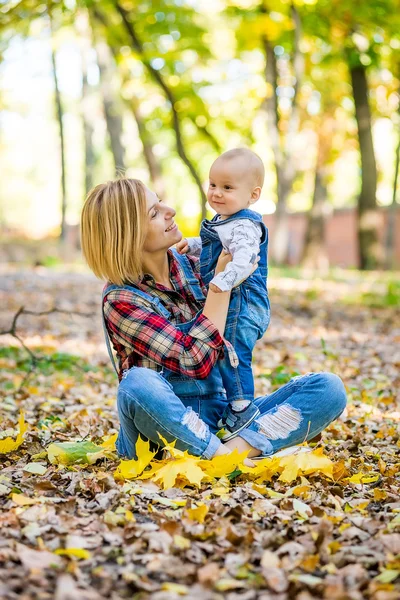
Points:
[(79, 533)]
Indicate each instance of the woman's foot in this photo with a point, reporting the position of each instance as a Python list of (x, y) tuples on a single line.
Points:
[(224, 449)]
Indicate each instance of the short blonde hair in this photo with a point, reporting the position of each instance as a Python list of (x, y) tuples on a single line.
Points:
[(252, 162), (113, 230)]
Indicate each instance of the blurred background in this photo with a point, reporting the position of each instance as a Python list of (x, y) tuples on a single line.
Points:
[(90, 89)]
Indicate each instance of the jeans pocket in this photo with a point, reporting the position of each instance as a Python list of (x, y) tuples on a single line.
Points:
[(258, 309)]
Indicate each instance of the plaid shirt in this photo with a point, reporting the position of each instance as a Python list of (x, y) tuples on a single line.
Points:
[(143, 338)]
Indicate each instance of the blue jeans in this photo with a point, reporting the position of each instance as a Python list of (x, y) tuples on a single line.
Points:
[(298, 411), (247, 321)]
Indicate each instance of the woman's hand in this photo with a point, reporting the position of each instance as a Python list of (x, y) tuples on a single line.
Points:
[(183, 246), (223, 260), (251, 272)]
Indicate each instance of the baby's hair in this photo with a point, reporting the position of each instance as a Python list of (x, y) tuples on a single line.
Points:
[(254, 164)]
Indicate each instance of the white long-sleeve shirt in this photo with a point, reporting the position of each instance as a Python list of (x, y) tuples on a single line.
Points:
[(240, 238)]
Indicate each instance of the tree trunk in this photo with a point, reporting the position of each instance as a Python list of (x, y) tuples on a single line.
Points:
[(88, 129), (112, 111), (160, 81), (391, 226), (315, 254), (153, 164), (367, 210), (152, 161), (59, 113), (283, 158), (84, 34)]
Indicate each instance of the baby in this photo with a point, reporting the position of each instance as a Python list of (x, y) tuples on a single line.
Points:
[(236, 180)]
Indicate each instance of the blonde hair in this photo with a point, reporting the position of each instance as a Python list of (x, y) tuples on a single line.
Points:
[(113, 230), (252, 162)]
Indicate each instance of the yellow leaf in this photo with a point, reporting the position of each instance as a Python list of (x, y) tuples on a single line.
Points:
[(198, 514), (363, 478), (181, 542), (387, 576), (356, 478), (129, 469), (175, 588), (9, 445), (310, 563), (79, 553), (379, 495), (370, 478), (223, 464), (186, 467), (305, 463), (109, 443), (274, 494), (170, 447), (22, 500), (303, 509)]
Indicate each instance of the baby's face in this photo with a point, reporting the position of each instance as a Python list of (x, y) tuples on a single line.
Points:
[(230, 188)]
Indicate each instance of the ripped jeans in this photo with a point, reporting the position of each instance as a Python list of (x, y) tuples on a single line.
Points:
[(297, 412)]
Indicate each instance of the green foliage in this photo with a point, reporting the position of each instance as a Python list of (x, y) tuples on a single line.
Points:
[(280, 375)]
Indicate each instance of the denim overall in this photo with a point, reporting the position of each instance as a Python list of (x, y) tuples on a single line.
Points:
[(249, 308), (192, 392), (186, 411)]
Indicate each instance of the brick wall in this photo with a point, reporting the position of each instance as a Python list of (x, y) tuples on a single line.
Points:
[(340, 235)]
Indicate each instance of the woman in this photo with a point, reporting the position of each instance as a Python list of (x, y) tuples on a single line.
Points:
[(167, 332)]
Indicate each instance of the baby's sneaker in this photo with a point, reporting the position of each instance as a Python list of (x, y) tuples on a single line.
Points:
[(234, 421)]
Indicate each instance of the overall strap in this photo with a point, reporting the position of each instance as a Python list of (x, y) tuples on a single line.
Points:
[(190, 277), (154, 301), (245, 213)]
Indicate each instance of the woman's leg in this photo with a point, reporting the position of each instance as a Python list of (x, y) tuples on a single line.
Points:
[(147, 405), (295, 413)]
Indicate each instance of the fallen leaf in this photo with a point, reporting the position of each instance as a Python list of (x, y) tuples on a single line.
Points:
[(9, 444)]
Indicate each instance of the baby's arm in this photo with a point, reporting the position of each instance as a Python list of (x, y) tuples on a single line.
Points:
[(190, 246), (242, 239)]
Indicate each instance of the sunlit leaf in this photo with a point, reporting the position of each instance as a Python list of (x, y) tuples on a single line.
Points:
[(198, 514), (129, 469), (9, 444), (70, 453), (79, 553)]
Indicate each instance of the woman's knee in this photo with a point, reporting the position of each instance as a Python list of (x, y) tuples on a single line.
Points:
[(334, 392), (138, 386)]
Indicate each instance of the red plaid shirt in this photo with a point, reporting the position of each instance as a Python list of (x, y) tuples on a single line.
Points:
[(143, 338)]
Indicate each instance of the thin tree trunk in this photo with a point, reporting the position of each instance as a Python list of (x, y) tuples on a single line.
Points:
[(391, 225), (158, 78), (112, 111), (367, 209), (283, 158), (59, 113), (153, 163), (88, 129), (314, 253), (84, 34)]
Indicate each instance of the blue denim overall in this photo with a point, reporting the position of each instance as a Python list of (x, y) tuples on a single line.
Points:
[(187, 410), (249, 308), (194, 393)]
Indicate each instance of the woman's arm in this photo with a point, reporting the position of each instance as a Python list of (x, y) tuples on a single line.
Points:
[(216, 305), (148, 334)]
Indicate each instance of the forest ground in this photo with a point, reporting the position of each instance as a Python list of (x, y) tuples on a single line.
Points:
[(76, 532)]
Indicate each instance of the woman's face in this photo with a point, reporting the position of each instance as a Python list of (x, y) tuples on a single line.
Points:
[(162, 232)]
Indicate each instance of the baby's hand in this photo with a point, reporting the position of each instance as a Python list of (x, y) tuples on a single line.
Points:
[(183, 246), (215, 288)]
